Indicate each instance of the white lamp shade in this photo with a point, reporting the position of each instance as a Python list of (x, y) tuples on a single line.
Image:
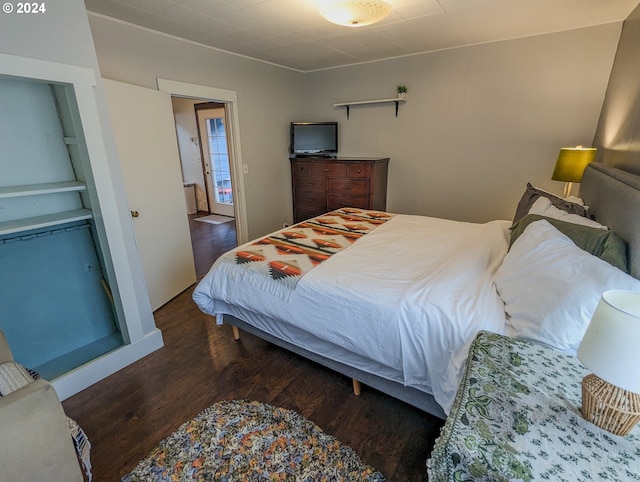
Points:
[(611, 345), (354, 13)]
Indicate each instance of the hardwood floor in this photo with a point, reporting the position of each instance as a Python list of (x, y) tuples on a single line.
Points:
[(130, 412), (210, 241)]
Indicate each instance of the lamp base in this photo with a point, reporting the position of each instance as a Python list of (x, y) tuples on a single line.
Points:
[(567, 189), (611, 408)]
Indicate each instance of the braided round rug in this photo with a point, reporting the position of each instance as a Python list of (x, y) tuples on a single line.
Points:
[(242, 440)]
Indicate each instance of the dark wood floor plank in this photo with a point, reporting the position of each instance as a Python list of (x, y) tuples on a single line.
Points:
[(130, 412), (209, 241)]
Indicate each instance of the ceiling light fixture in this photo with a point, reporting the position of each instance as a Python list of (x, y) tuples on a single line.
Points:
[(355, 13)]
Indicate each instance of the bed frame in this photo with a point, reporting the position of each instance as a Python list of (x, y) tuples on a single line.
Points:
[(412, 396), (613, 197)]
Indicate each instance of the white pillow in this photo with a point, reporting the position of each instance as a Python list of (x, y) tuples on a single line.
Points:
[(576, 200), (544, 207), (551, 288)]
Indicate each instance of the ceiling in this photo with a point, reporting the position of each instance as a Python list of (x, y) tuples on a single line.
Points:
[(292, 34)]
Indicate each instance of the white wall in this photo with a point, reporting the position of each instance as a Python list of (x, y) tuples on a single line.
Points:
[(618, 134), (479, 121), (190, 159), (60, 35), (269, 98)]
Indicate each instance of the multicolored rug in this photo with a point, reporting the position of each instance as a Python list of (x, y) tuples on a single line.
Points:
[(240, 440)]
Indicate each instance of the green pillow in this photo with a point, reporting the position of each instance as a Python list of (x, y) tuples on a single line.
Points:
[(605, 244)]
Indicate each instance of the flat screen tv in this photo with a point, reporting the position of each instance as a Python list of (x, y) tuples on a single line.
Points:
[(314, 138)]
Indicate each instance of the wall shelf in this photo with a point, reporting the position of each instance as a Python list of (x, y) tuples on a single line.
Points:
[(25, 224), (394, 100), (46, 220), (46, 188)]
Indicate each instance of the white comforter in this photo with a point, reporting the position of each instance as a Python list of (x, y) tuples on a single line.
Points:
[(410, 295)]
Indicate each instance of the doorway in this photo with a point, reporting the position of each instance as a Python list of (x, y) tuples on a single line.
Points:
[(215, 154), (201, 134), (229, 99)]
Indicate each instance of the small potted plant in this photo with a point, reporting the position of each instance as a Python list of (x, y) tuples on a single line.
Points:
[(402, 91)]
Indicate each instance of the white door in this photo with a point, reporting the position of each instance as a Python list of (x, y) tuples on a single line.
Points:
[(144, 130), (216, 157)]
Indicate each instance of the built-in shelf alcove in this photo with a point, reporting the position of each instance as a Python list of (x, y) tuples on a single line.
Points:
[(64, 304)]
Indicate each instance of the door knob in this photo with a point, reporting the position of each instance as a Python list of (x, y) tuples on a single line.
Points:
[(135, 214)]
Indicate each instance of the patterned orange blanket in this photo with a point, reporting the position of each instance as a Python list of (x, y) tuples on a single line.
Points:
[(287, 255)]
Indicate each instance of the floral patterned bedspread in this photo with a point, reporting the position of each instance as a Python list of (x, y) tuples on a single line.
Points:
[(517, 417)]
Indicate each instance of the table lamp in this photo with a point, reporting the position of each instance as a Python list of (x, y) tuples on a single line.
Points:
[(610, 349), (571, 163)]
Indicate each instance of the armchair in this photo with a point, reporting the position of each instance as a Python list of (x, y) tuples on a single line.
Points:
[(35, 443)]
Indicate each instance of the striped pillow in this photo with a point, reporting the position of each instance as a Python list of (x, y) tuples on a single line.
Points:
[(14, 376)]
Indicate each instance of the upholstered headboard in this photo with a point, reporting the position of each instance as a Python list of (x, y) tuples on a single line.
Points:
[(613, 197)]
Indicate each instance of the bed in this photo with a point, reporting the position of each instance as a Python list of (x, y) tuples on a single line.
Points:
[(395, 301)]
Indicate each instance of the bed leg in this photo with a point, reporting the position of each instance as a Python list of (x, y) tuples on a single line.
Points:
[(236, 333), (356, 387)]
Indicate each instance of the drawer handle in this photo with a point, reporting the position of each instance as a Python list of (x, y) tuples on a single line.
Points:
[(347, 188), (359, 171), (310, 199), (311, 184), (327, 170)]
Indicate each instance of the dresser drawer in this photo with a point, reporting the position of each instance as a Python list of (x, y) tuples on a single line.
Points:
[(359, 170), (311, 199), (352, 187), (315, 184), (306, 212), (321, 184), (328, 169), (300, 168), (337, 202)]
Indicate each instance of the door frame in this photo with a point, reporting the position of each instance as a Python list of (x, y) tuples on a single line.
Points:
[(230, 99), (205, 155)]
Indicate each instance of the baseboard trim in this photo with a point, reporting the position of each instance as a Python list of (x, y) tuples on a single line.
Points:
[(86, 375)]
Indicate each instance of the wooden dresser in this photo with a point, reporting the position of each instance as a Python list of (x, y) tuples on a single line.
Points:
[(321, 184)]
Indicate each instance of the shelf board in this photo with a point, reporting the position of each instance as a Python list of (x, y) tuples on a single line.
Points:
[(47, 188), (394, 100), (26, 224), (375, 101)]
